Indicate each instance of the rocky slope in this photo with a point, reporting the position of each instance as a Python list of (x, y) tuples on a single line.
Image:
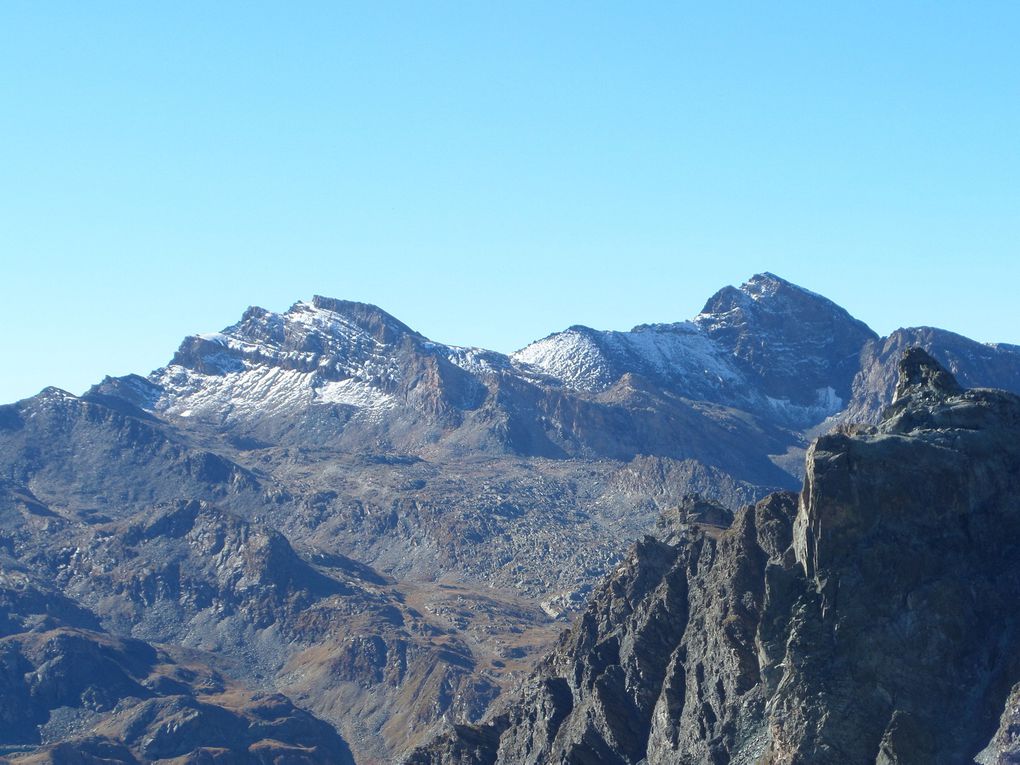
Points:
[(326, 633), (866, 620), (87, 696)]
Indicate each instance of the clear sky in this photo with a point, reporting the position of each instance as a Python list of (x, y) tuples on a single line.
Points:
[(490, 172)]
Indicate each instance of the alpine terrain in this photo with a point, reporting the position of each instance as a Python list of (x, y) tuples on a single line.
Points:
[(318, 536)]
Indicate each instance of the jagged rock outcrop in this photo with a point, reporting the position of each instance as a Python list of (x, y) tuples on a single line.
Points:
[(975, 365), (1004, 748), (867, 620)]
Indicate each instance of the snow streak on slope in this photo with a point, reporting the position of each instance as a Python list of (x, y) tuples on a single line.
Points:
[(260, 391)]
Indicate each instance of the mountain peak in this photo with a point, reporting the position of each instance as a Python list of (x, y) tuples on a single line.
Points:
[(381, 325), (768, 278), (800, 343), (323, 332), (765, 288), (768, 292)]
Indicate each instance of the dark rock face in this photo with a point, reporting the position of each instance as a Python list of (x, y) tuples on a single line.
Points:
[(923, 377), (907, 536), (598, 704), (1004, 748), (866, 621)]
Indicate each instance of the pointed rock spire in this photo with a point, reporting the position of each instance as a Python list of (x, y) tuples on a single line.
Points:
[(921, 374)]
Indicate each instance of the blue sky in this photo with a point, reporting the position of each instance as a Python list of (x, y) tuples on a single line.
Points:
[(492, 172)]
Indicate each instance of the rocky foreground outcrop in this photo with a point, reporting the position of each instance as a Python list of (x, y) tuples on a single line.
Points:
[(869, 619)]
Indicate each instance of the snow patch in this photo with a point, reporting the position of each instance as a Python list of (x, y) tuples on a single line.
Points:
[(356, 393), (826, 403), (572, 357), (591, 361), (259, 391)]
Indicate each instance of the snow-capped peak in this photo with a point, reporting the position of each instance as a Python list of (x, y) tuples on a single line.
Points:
[(321, 350)]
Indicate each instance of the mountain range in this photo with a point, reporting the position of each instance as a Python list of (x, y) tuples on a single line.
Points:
[(340, 538)]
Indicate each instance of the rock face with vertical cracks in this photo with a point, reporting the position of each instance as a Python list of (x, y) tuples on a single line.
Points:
[(870, 619)]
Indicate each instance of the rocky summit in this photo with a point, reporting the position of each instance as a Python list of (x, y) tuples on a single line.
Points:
[(865, 620), (318, 535)]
